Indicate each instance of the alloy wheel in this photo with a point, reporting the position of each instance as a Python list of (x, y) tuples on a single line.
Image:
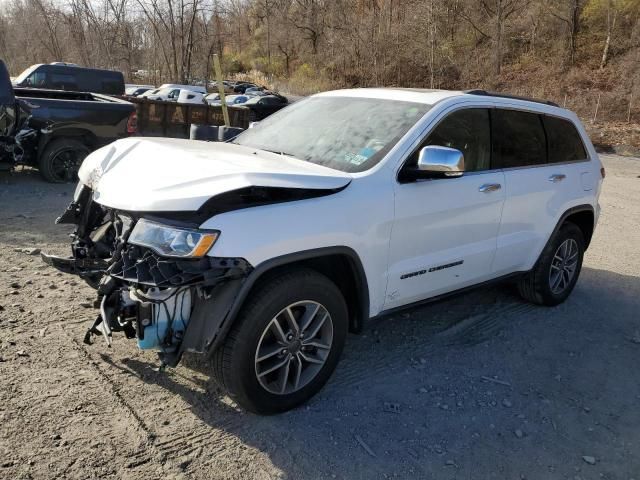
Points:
[(563, 266), (66, 163), (294, 347)]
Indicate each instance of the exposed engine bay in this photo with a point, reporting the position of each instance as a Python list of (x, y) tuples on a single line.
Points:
[(168, 304)]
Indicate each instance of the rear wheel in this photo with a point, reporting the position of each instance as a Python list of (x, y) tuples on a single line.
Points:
[(285, 343), (555, 274), (61, 160)]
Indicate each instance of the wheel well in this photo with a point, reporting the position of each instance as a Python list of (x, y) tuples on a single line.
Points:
[(342, 270), (84, 136), (584, 220)]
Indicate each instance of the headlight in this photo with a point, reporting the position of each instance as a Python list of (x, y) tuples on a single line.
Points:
[(172, 241)]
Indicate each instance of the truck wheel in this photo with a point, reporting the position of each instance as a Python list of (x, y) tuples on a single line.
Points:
[(61, 160), (285, 343), (557, 270)]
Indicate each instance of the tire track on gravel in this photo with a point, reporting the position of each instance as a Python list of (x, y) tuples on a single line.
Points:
[(172, 446), (470, 330)]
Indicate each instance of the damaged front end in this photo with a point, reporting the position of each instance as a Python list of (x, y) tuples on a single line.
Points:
[(153, 279)]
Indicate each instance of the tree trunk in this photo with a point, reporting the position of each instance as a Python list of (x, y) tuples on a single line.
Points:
[(611, 24), (499, 27)]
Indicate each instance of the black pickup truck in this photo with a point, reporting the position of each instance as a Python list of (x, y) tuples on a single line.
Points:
[(55, 130)]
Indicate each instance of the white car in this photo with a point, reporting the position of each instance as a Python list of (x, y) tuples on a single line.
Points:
[(190, 97), (164, 94), (263, 253), (194, 88)]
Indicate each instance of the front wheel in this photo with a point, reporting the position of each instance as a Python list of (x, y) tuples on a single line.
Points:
[(285, 343), (555, 274)]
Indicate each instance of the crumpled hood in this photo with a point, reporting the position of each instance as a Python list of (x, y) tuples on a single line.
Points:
[(161, 174)]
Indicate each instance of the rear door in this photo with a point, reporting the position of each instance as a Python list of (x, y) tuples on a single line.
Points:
[(445, 229), (543, 174)]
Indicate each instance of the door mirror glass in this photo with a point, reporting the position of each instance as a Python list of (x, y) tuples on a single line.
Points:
[(441, 161)]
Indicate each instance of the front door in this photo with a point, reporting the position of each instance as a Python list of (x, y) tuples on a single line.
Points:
[(445, 230)]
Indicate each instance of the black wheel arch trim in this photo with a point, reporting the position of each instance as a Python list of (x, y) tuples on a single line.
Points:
[(578, 208), (85, 136), (362, 286)]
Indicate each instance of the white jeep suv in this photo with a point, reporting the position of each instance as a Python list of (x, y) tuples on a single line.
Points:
[(263, 252)]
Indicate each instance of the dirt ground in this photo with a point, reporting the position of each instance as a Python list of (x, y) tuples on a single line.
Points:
[(481, 386)]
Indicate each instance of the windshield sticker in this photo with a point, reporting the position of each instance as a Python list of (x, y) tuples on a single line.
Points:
[(355, 159)]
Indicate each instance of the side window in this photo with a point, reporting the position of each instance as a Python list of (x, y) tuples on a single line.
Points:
[(63, 81), (467, 130), (565, 144), (111, 87), (518, 139), (37, 79)]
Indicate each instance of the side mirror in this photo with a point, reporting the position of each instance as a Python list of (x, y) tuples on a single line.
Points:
[(437, 161)]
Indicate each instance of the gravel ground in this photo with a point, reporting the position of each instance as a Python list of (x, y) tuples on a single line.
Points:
[(479, 386)]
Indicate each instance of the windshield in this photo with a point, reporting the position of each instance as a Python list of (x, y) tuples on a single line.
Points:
[(344, 133)]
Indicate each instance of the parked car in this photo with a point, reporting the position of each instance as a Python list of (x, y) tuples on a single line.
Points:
[(255, 90), (235, 99), (55, 130), (137, 90), (71, 77), (263, 253), (263, 106), (241, 87), (164, 94), (190, 97), (212, 99), (194, 88), (227, 85)]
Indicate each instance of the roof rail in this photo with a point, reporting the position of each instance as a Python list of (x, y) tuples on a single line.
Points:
[(507, 95)]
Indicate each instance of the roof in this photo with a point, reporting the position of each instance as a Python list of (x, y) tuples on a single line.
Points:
[(398, 94), (428, 96)]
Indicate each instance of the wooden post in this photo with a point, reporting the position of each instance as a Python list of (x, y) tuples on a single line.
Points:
[(629, 111), (595, 115), (223, 102), (564, 104)]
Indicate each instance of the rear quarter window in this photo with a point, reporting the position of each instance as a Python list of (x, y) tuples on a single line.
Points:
[(518, 139), (565, 143)]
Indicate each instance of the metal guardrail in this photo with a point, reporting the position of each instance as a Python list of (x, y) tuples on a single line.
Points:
[(166, 119)]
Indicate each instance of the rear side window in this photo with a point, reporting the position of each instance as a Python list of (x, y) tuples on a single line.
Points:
[(518, 139), (61, 81), (467, 130), (565, 144)]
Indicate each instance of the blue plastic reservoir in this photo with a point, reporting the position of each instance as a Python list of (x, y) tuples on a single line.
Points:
[(168, 309)]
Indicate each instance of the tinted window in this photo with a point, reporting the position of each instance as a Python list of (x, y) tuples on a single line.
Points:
[(565, 144), (466, 130), (518, 139), (62, 81), (37, 79)]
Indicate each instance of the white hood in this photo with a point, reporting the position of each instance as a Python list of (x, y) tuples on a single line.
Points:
[(162, 174)]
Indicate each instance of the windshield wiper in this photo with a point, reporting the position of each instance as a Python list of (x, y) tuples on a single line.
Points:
[(278, 153)]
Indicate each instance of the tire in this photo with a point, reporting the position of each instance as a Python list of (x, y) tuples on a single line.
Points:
[(237, 365), (537, 286), (61, 160)]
